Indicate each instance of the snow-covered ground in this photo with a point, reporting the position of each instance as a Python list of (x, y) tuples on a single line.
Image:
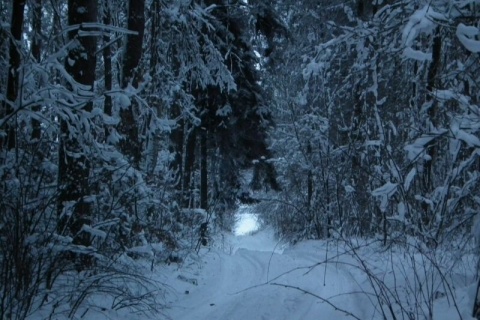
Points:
[(250, 275), (249, 283)]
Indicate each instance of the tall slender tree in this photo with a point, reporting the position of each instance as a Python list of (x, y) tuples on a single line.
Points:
[(36, 54), (237, 120), (8, 106), (74, 164), (131, 76), (107, 59)]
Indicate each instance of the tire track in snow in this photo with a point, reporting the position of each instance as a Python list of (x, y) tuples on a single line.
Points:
[(216, 297), (239, 289)]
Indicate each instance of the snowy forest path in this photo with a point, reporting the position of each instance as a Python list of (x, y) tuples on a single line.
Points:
[(254, 282)]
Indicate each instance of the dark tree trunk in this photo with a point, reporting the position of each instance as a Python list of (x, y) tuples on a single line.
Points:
[(74, 166), (14, 63), (413, 99), (309, 179), (364, 8), (107, 61), (189, 167), (152, 142), (154, 30), (134, 44), (131, 144), (432, 114), (204, 169), (176, 148), (358, 168), (36, 53), (107, 58)]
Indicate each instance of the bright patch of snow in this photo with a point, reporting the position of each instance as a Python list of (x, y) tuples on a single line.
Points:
[(385, 192), (467, 36), (246, 222), (409, 179), (421, 21), (417, 54)]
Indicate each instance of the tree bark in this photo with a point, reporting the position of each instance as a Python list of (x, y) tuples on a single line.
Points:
[(176, 148), (107, 62), (13, 74), (430, 99), (36, 53), (309, 179), (204, 169), (189, 167), (131, 144), (153, 138), (107, 58)]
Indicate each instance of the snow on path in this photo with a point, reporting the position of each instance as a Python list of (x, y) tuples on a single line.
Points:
[(253, 277), (248, 281), (247, 221)]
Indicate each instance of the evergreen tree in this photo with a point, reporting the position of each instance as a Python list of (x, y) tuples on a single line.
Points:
[(74, 164), (238, 120)]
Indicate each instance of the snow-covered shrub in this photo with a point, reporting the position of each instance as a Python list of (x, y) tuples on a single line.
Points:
[(409, 280)]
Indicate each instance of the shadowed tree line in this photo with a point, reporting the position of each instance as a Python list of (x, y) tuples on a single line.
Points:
[(122, 124)]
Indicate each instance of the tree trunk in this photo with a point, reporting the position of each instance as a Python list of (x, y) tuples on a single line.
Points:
[(189, 167), (153, 142), (203, 169), (36, 53), (176, 148), (13, 74), (74, 166), (432, 111), (107, 61), (131, 144), (309, 179), (107, 58)]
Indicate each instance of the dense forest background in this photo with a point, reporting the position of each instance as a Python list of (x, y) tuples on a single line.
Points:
[(129, 123)]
